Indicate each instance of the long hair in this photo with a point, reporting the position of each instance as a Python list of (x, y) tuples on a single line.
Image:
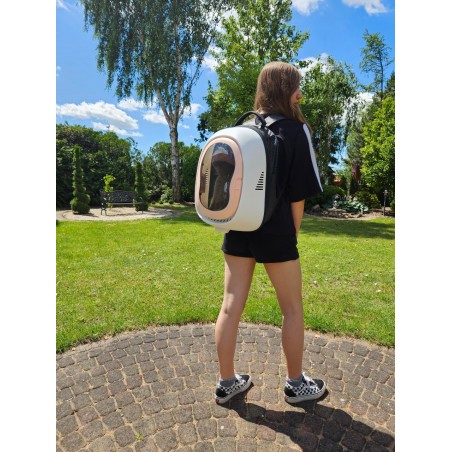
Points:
[(276, 83)]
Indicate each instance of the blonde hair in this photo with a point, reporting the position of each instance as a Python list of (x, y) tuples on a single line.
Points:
[(276, 83)]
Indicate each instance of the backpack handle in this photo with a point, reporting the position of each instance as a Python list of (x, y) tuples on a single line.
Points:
[(265, 122), (245, 115)]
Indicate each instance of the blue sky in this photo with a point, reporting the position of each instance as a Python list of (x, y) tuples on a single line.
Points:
[(336, 28)]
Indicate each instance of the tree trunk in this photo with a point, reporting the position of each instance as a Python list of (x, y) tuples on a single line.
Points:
[(175, 164)]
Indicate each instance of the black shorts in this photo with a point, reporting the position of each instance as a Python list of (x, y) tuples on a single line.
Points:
[(264, 248)]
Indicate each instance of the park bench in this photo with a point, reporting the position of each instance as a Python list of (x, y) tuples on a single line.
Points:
[(116, 198)]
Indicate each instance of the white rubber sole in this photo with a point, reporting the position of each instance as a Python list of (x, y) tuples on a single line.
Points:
[(230, 396)]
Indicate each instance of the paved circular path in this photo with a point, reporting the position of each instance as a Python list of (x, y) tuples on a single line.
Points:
[(152, 390)]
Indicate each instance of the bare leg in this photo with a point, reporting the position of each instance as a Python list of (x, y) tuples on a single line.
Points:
[(286, 279), (238, 273)]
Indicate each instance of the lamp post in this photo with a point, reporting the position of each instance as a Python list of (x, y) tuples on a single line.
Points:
[(384, 201)]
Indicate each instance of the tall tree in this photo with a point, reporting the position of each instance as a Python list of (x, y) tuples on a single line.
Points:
[(375, 60), (329, 103), (141, 200), (378, 152), (156, 48), (258, 34), (80, 201)]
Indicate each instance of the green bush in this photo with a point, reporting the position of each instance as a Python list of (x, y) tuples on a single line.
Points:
[(167, 195), (392, 205), (353, 206), (326, 198), (368, 199), (80, 204)]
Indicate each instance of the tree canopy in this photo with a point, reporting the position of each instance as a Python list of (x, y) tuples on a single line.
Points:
[(258, 34), (329, 104), (375, 60), (155, 48)]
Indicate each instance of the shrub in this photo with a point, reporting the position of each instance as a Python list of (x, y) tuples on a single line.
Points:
[(326, 198), (140, 202), (392, 205), (368, 199), (353, 206), (167, 195), (80, 202)]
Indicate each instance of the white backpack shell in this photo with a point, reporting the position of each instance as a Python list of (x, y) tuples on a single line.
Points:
[(241, 175), (231, 183)]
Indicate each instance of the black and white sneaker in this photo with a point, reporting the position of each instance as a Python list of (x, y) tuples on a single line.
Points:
[(308, 390), (223, 394)]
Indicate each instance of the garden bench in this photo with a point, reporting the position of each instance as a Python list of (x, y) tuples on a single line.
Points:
[(116, 198)]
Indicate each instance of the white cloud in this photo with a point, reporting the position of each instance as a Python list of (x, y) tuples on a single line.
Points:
[(58, 70), (306, 7), (100, 110), (313, 61), (210, 62), (117, 130), (157, 117), (131, 104), (371, 6), (193, 110), (61, 4), (185, 127)]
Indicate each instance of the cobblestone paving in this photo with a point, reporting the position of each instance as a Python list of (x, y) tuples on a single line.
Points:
[(153, 391)]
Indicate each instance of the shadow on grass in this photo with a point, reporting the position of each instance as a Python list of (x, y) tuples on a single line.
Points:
[(382, 229), (313, 426)]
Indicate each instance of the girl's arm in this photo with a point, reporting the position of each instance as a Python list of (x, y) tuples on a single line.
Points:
[(297, 214)]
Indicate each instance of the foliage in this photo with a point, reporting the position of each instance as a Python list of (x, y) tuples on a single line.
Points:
[(325, 199), (392, 205), (103, 153), (189, 165), (348, 277), (167, 195), (330, 104), (378, 153), (157, 170), (368, 199), (375, 60), (108, 179), (155, 48), (353, 206), (80, 201), (140, 202), (257, 34)]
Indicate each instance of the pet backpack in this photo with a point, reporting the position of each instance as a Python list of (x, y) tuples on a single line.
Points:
[(240, 180)]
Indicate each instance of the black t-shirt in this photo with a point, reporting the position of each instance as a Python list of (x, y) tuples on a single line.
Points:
[(303, 178)]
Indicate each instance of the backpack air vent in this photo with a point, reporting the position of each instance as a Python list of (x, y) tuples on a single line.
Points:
[(260, 182)]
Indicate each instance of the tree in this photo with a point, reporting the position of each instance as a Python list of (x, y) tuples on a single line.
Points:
[(356, 140), (157, 169), (330, 104), (141, 199), (378, 153), (258, 34), (155, 48), (375, 60), (80, 202), (102, 153)]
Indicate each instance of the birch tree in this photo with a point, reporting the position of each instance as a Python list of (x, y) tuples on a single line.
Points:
[(156, 49)]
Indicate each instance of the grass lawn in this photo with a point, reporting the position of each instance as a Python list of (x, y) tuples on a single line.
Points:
[(117, 276)]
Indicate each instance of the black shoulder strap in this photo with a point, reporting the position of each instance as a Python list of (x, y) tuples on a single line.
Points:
[(264, 120), (272, 119)]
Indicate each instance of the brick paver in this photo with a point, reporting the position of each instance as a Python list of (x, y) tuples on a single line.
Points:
[(153, 390)]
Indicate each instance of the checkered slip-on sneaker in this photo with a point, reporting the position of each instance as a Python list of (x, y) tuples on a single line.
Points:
[(308, 390), (223, 394)]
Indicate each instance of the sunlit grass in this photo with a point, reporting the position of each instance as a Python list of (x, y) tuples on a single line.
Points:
[(117, 276)]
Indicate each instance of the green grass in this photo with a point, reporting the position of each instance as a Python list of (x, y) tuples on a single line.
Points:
[(117, 276)]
